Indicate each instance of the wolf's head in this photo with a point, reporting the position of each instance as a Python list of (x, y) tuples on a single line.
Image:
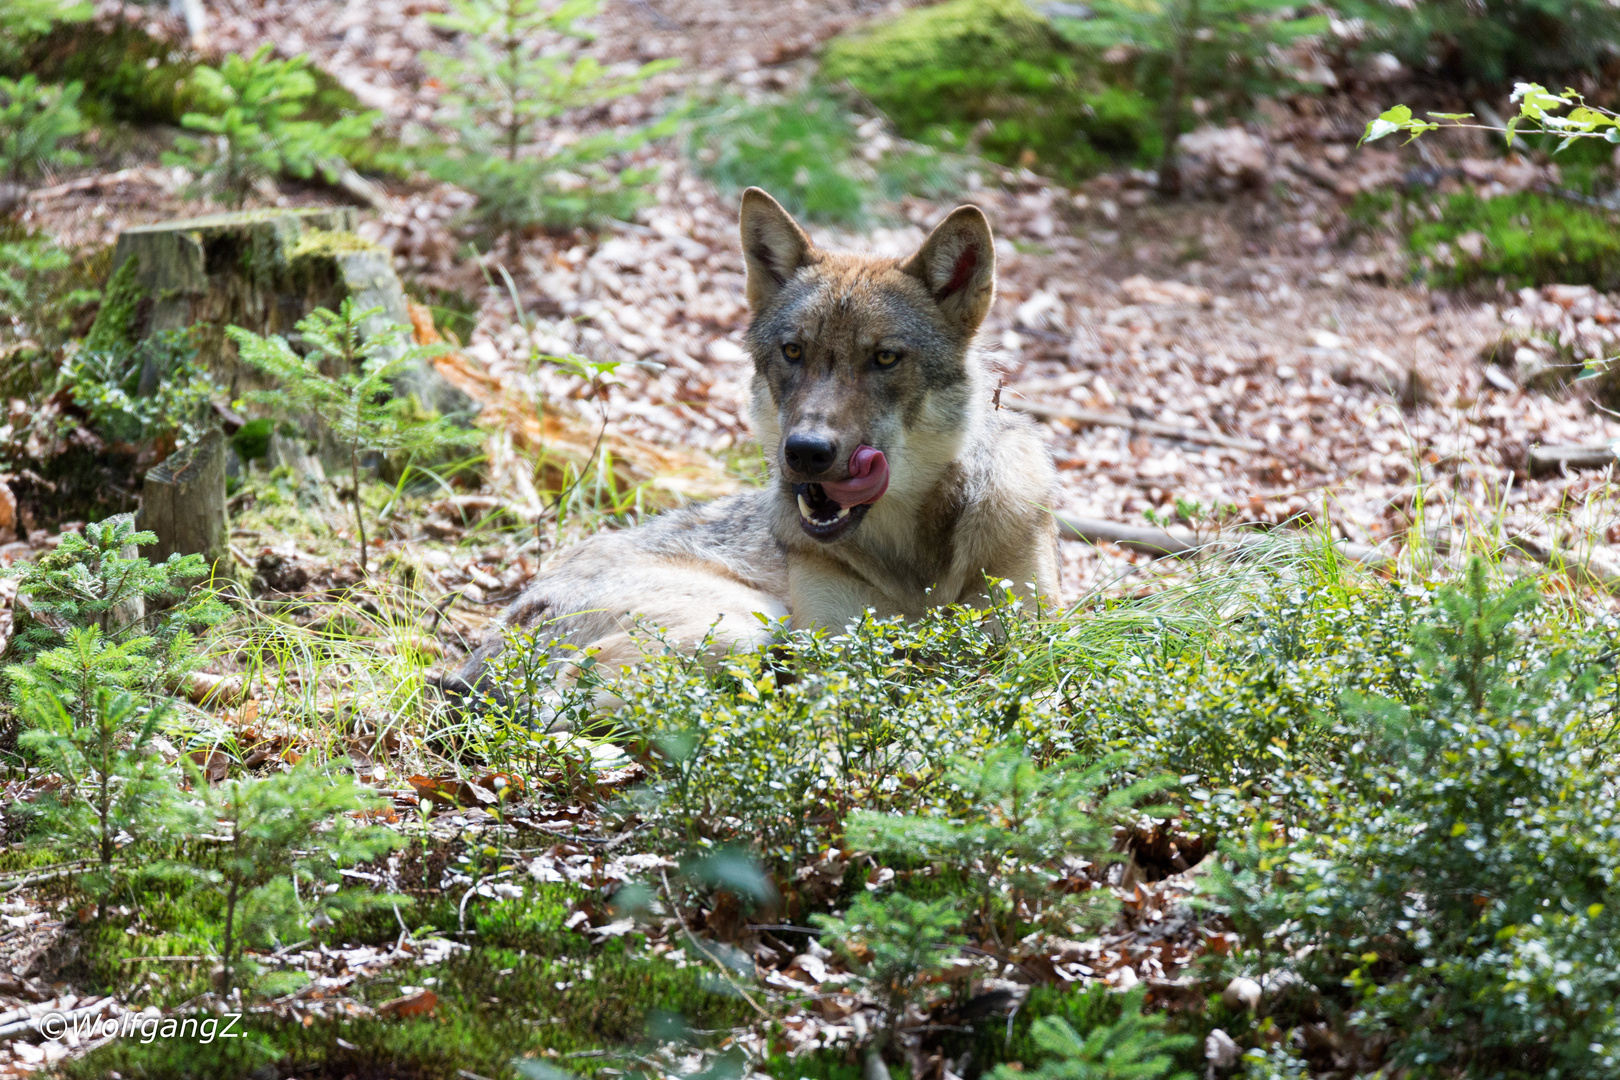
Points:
[(865, 385)]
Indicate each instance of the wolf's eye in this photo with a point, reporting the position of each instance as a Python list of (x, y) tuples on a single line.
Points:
[(793, 352), (886, 358)]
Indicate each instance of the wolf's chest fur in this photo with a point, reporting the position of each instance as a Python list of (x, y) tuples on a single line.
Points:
[(894, 484)]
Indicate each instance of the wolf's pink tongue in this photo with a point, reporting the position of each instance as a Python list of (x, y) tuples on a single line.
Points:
[(868, 479)]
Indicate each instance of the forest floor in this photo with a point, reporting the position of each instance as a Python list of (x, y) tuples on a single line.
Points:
[(1253, 314)]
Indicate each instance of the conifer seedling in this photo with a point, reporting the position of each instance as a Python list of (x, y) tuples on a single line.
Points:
[(358, 405), (273, 828), (92, 688), (35, 120), (506, 82), (252, 109)]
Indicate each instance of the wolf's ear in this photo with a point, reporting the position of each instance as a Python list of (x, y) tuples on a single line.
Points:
[(774, 246), (957, 264)]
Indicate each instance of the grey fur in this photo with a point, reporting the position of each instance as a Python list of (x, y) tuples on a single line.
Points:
[(970, 486)]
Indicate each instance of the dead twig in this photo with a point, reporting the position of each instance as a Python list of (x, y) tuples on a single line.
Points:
[(1177, 543), (1156, 428), (1555, 459), (725, 973)]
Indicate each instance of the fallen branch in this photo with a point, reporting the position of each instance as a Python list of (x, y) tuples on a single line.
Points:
[(1553, 459), (59, 870), (1176, 543), (1157, 428)]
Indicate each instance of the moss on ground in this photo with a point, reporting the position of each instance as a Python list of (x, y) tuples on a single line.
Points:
[(527, 986), (1523, 239), (995, 74)]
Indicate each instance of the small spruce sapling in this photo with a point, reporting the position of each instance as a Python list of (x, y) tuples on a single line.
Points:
[(96, 579), (251, 109), (898, 943), (91, 687), (1214, 49), (1134, 1047), (272, 829), (38, 296), (508, 81), (357, 404), (116, 795), (35, 120)]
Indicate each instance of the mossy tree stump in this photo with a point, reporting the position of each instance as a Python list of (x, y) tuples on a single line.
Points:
[(262, 270)]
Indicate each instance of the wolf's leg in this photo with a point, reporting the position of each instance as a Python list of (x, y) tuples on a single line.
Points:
[(824, 594)]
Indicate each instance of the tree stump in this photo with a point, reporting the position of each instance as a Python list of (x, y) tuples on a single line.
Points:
[(262, 270), (183, 502)]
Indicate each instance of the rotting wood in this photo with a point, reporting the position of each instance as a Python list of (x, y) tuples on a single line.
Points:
[(183, 502), (1553, 459), (1156, 428), (1177, 543)]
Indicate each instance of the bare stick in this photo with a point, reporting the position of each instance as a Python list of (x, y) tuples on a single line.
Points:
[(1095, 418), (1177, 543)]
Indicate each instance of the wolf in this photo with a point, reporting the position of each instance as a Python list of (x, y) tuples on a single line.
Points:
[(895, 481)]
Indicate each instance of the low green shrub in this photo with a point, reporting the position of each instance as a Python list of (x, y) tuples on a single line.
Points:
[(1240, 713), (995, 76), (1446, 890), (1006, 827), (108, 385), (45, 295), (774, 750), (803, 149)]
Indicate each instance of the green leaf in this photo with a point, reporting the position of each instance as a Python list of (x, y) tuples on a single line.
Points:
[(1388, 122)]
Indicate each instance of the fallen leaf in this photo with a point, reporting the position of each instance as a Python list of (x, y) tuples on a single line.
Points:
[(418, 1004), (215, 764)]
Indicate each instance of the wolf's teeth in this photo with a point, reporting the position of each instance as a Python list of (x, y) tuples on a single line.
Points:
[(843, 512)]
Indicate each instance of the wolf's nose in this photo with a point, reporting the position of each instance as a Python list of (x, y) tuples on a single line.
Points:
[(810, 455)]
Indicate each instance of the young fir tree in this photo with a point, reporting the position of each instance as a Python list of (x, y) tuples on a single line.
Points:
[(253, 109), (35, 120), (91, 688), (117, 797), (358, 404), (897, 943), (274, 828), (1134, 1047), (508, 81), (1225, 51)]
